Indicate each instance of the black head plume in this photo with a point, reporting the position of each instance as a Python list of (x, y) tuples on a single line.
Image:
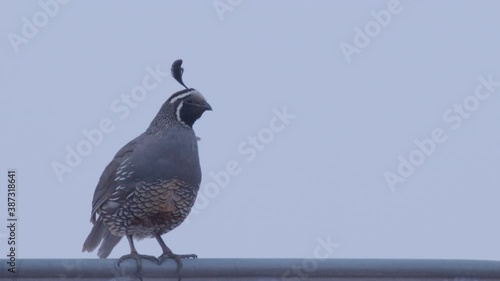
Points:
[(177, 71)]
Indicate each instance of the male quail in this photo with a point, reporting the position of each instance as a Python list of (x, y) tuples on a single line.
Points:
[(151, 184)]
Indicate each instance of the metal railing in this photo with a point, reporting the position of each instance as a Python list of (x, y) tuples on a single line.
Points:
[(254, 269)]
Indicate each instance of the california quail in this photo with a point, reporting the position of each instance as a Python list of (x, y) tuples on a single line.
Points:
[(151, 184)]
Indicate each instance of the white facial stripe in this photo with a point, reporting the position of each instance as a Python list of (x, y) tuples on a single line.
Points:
[(181, 96), (178, 113)]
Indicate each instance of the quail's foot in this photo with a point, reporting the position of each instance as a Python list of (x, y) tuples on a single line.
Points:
[(138, 261), (175, 257), (178, 260)]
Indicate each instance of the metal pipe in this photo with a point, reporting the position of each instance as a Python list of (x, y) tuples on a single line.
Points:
[(254, 269)]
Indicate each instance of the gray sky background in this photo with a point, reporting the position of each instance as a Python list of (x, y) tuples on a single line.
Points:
[(319, 175)]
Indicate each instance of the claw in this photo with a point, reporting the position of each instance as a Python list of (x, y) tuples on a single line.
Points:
[(168, 254), (138, 261), (137, 257), (177, 259)]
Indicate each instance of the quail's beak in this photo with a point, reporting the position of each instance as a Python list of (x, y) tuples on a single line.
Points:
[(207, 106)]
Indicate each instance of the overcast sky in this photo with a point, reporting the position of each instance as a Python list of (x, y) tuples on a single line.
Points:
[(371, 125)]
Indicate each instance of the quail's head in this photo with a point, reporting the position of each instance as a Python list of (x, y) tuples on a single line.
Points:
[(188, 105), (181, 108)]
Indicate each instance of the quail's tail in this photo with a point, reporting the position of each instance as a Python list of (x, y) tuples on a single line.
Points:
[(98, 234), (108, 243), (95, 237)]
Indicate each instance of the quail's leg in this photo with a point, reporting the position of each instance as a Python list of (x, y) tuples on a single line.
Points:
[(134, 255), (168, 254)]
